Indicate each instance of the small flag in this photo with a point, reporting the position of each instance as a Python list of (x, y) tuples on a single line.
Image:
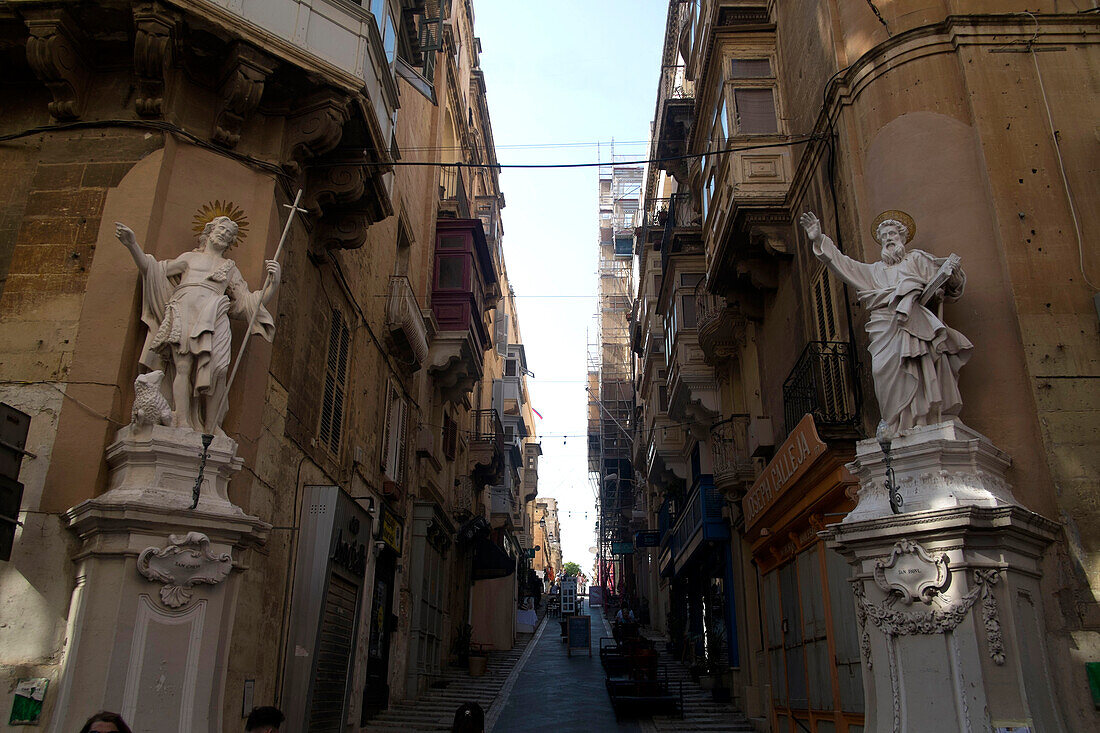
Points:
[(537, 413)]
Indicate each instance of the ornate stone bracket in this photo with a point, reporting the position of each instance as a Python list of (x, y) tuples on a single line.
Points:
[(316, 128), (155, 27), (911, 573), (186, 561), (54, 52), (242, 86)]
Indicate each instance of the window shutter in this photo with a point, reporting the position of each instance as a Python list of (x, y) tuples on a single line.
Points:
[(750, 68), (401, 441), (500, 330), (755, 111), (387, 431), (331, 425), (824, 312)]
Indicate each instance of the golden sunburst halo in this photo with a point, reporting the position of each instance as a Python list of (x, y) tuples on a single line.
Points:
[(208, 212)]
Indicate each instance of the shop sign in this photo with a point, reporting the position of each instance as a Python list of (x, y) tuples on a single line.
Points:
[(622, 548), (390, 532), (530, 553), (648, 538), (349, 553), (798, 452)]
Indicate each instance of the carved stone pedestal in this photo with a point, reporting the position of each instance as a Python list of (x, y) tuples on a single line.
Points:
[(935, 467), (152, 613), (950, 619)]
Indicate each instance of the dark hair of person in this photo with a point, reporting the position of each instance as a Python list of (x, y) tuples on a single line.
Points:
[(266, 715), (104, 716), (469, 718)]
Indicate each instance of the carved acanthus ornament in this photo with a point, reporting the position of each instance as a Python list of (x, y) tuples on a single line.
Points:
[(155, 30), (243, 79), (316, 127), (54, 52), (184, 563)]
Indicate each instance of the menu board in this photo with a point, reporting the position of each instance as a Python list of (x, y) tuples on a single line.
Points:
[(579, 634)]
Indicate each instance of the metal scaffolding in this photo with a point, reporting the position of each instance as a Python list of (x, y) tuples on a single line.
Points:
[(610, 381)]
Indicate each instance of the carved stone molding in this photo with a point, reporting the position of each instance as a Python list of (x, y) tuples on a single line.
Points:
[(331, 185), (894, 622), (246, 70), (911, 573), (185, 562), (54, 52), (316, 127), (341, 229), (155, 30)]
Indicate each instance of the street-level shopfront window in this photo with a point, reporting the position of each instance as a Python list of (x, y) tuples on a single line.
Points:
[(813, 644)]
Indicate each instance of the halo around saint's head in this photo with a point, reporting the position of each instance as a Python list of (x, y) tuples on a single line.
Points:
[(210, 211), (897, 216)]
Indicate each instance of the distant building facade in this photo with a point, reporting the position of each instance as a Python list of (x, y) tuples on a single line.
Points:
[(389, 457)]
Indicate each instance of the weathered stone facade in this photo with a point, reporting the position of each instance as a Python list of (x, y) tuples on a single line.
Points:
[(144, 112), (972, 120)]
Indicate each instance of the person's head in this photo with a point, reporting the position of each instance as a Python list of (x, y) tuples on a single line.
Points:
[(266, 719), (220, 233), (469, 718), (105, 722), (892, 235)]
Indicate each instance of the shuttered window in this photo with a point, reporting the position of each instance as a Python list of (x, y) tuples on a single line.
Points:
[(395, 429), (336, 371), (500, 330), (755, 111), (750, 68), (836, 389)]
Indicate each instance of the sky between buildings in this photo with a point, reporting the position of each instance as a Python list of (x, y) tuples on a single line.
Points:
[(562, 76)]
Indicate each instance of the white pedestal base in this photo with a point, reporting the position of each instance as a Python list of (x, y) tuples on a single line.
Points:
[(936, 467), (950, 619), (152, 613)]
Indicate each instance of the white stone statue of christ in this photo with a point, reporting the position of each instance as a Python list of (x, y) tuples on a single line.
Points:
[(915, 356), (186, 304)]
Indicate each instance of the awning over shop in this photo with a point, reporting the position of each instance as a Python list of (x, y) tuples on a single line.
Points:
[(490, 561)]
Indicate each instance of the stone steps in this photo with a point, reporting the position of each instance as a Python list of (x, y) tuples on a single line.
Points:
[(434, 710)]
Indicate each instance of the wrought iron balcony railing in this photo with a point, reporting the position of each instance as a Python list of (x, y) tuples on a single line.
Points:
[(487, 430), (452, 190), (823, 383), (729, 444)]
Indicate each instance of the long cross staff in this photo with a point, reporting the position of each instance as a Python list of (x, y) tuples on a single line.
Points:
[(208, 438), (294, 209)]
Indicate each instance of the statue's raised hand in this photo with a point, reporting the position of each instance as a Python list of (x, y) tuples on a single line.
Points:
[(125, 235), (812, 225)]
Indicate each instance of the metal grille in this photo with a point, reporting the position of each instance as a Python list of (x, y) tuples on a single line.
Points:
[(326, 709), (823, 383)]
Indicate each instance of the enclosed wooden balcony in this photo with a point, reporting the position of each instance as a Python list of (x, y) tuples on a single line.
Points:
[(464, 288)]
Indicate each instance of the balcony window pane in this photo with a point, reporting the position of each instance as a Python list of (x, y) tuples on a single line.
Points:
[(451, 273), (452, 241), (723, 124), (689, 317), (750, 68), (755, 111), (378, 10), (389, 41)]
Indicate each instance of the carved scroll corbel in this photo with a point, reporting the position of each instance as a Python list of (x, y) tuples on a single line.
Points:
[(242, 86), (316, 128), (155, 30), (55, 53)]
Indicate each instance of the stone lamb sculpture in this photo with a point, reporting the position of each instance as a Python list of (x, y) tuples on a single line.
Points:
[(150, 406)]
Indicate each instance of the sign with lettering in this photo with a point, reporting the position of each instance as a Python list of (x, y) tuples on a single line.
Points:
[(579, 634), (622, 548), (390, 530), (798, 452), (648, 538)]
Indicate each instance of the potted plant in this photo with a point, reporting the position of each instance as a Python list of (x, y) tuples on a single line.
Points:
[(477, 660)]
